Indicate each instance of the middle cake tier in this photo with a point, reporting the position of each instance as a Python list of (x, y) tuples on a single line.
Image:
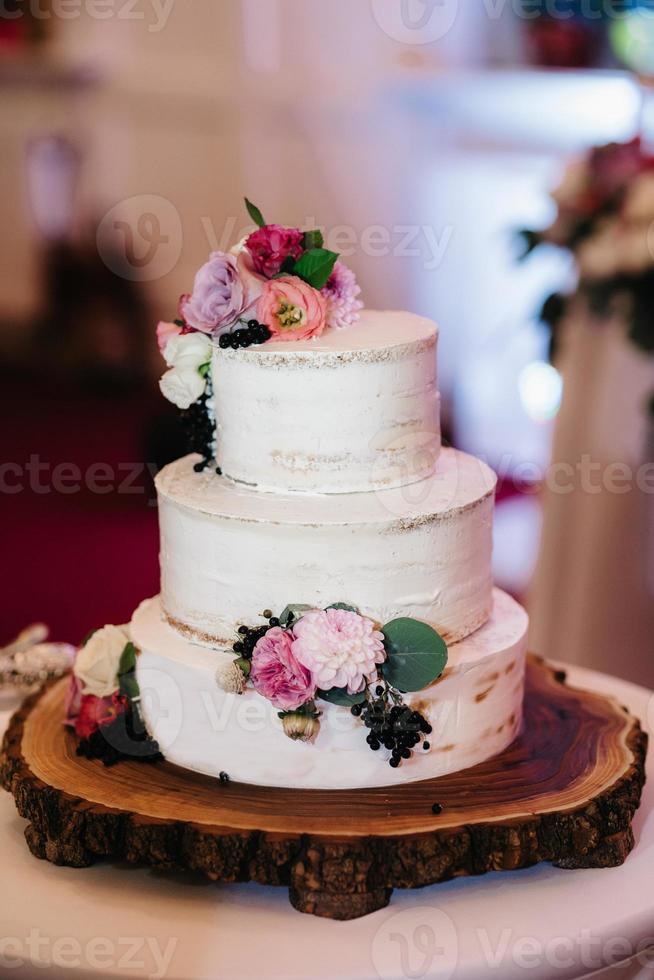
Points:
[(228, 552)]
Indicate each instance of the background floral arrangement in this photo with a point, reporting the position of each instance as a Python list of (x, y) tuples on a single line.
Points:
[(277, 284), (337, 655), (605, 216)]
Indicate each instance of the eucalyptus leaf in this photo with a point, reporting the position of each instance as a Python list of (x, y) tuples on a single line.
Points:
[(339, 696), (127, 659), (343, 605), (315, 266), (293, 612), (255, 213), (417, 654)]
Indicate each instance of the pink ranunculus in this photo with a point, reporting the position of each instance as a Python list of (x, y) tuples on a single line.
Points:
[(165, 331), (277, 675), (271, 245), (291, 309), (219, 296)]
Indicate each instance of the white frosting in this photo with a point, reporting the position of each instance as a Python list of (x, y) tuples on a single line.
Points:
[(353, 410), (228, 552), (475, 709)]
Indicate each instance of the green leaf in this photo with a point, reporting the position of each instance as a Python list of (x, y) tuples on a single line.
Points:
[(417, 654), (343, 605), (339, 696), (255, 213), (205, 369), (312, 239), (129, 686), (293, 612), (178, 323), (315, 266), (127, 659)]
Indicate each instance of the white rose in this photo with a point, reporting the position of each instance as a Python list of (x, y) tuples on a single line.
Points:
[(194, 348), (183, 385), (97, 663)]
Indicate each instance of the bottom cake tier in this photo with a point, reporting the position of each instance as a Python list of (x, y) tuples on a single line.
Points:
[(475, 709)]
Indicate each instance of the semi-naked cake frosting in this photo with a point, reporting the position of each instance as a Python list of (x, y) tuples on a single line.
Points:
[(327, 617), (475, 710), (356, 410)]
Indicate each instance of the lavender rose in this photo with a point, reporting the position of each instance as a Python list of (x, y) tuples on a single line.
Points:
[(219, 296)]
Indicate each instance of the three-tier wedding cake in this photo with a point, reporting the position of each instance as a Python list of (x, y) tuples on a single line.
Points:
[(327, 617)]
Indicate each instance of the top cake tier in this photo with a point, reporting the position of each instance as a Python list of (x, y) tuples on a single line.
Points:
[(352, 410)]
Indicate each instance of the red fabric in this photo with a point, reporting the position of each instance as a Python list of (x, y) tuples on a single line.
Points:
[(74, 560)]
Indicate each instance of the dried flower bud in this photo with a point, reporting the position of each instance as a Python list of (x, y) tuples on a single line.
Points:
[(231, 678), (300, 726)]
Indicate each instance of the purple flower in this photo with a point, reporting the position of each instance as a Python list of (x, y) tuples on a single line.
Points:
[(341, 294), (219, 297), (271, 245)]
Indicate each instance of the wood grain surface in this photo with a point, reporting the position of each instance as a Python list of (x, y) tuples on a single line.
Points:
[(565, 791)]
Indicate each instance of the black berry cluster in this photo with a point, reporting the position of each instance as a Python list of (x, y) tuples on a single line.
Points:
[(199, 431), (123, 738), (253, 333), (392, 724), (249, 636)]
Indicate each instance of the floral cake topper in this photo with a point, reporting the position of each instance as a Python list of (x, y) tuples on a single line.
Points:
[(277, 284)]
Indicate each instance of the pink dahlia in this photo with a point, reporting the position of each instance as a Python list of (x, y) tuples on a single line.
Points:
[(340, 648), (276, 673), (341, 294), (271, 245)]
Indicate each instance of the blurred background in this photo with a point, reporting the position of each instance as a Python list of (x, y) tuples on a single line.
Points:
[(420, 134)]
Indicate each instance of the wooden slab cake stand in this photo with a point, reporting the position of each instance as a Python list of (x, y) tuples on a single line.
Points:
[(565, 791)]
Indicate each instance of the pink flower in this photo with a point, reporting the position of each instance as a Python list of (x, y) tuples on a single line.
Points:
[(165, 331), (291, 309), (271, 245), (613, 166), (95, 712), (340, 648), (277, 675), (219, 297), (73, 701), (341, 294)]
